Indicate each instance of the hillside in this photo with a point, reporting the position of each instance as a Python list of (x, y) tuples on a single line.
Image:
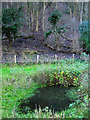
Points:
[(37, 35)]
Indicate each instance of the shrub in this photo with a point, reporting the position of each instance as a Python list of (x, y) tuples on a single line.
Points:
[(11, 22), (56, 76), (61, 29), (83, 28), (84, 56), (47, 33), (54, 18)]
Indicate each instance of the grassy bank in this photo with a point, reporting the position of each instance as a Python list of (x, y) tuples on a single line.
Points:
[(20, 81)]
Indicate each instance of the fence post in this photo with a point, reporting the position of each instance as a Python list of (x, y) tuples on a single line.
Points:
[(37, 58), (56, 57), (15, 58), (73, 56)]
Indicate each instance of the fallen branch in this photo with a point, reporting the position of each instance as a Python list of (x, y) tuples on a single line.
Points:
[(50, 46), (67, 38)]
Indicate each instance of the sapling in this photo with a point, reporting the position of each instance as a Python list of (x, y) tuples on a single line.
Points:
[(54, 19)]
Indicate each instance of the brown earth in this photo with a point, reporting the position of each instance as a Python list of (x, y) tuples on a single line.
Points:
[(23, 47)]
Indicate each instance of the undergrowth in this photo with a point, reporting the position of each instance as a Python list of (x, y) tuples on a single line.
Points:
[(20, 82)]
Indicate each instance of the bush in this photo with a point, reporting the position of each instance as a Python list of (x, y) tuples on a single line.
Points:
[(84, 56), (11, 22), (83, 28), (54, 18), (58, 75), (62, 29), (47, 33)]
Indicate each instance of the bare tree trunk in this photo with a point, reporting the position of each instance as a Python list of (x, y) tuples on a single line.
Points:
[(81, 14), (32, 18), (43, 14), (7, 5), (11, 3), (37, 21), (74, 25), (70, 12), (56, 38), (86, 11), (32, 15), (56, 4), (28, 14), (18, 4)]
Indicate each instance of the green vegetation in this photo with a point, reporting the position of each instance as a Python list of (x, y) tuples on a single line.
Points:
[(61, 29), (54, 18), (56, 30), (47, 33), (11, 19), (84, 31), (20, 81)]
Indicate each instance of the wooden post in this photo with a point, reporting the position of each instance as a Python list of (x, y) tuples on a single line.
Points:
[(37, 58), (15, 58), (56, 57), (88, 56), (73, 56)]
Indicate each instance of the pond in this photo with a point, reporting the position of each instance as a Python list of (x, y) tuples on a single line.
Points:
[(53, 96)]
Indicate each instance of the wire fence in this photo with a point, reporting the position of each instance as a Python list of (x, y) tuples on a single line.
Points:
[(39, 58)]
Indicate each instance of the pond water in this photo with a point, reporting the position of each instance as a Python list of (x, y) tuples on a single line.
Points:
[(54, 97)]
